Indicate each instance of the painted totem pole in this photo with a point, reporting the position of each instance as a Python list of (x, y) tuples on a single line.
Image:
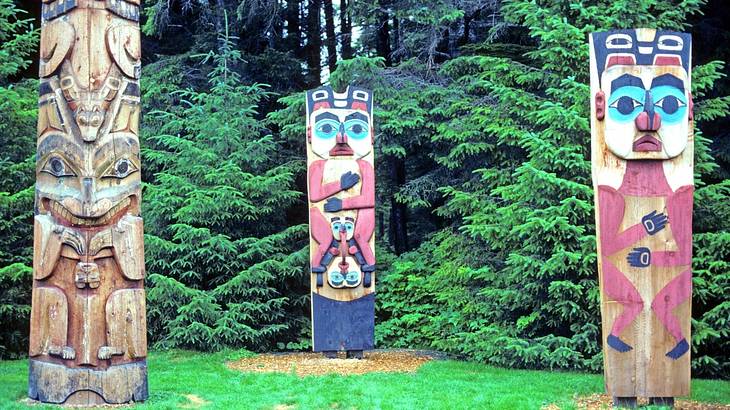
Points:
[(642, 157), (341, 182), (88, 338)]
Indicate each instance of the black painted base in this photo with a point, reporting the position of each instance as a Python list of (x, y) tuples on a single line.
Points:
[(343, 326), (54, 383), (355, 354)]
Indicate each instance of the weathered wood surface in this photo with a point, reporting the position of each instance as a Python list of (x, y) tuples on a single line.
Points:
[(341, 186), (88, 332), (642, 162)]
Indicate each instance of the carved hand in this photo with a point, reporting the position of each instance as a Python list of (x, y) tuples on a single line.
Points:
[(348, 180), (639, 257), (106, 352), (654, 222), (66, 352), (333, 205)]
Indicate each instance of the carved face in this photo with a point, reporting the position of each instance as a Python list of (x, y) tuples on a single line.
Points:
[(644, 97), (340, 125), (344, 225), (87, 185)]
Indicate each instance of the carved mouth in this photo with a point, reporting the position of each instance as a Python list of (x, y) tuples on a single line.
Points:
[(65, 217), (647, 143), (341, 150)]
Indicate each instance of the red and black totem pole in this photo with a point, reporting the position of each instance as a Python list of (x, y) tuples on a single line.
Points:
[(642, 157), (341, 182)]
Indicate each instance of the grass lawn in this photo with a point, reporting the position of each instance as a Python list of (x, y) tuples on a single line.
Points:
[(181, 379)]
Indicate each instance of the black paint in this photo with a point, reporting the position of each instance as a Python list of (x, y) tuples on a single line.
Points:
[(343, 325)]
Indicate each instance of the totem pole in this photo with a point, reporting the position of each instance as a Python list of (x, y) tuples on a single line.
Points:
[(88, 339), (642, 157), (341, 182)]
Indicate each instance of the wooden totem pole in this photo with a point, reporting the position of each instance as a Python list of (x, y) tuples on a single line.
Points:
[(642, 157), (88, 332), (341, 182)]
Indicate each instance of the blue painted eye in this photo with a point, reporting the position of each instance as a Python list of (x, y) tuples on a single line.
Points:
[(336, 278), (357, 129), (349, 227), (626, 103), (326, 129), (669, 103), (352, 277), (336, 229)]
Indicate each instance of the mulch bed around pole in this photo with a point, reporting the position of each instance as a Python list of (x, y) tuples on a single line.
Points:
[(315, 364), (603, 401)]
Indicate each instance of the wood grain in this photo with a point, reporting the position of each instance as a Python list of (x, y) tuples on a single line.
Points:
[(88, 327)]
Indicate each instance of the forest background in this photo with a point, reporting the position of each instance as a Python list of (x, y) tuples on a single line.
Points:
[(485, 226)]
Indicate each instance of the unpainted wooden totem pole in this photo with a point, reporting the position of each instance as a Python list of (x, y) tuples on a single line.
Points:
[(642, 157), (88, 339), (341, 182)]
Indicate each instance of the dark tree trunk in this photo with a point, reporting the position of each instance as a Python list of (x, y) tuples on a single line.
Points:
[(346, 30), (443, 50), (464, 39), (396, 37), (293, 29), (382, 40), (329, 23), (398, 212), (314, 43)]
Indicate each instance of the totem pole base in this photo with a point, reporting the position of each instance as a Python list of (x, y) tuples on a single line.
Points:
[(625, 402), (53, 383), (355, 354), (662, 401), (343, 326)]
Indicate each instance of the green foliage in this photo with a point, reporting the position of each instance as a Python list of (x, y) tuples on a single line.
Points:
[(224, 267), (18, 113)]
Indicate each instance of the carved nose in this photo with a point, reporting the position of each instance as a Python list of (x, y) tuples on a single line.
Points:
[(341, 138), (88, 190), (648, 120)]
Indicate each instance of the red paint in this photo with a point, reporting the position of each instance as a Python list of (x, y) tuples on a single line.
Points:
[(691, 107), (600, 105), (647, 143), (317, 190), (322, 234), (620, 60), (644, 123), (646, 178), (667, 60), (322, 105), (359, 105)]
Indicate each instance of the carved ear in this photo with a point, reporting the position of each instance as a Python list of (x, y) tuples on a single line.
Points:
[(57, 40), (600, 105), (123, 44)]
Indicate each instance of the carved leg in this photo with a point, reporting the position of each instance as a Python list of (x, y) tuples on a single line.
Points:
[(125, 318), (355, 354), (620, 289), (322, 234), (330, 354), (364, 228), (49, 324), (676, 292)]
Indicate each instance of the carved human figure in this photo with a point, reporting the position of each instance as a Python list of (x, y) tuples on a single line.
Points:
[(642, 171), (88, 331), (341, 181)]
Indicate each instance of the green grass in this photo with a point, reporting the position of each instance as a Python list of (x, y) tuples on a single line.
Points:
[(437, 385)]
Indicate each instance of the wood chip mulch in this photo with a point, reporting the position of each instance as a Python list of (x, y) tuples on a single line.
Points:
[(603, 401), (315, 364)]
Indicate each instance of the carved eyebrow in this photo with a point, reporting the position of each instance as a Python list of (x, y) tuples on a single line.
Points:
[(67, 146), (357, 116), (347, 218), (108, 147), (668, 79), (326, 116), (626, 80)]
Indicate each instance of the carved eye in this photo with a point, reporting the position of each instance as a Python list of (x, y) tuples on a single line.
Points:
[(625, 105), (57, 167), (121, 169), (670, 104)]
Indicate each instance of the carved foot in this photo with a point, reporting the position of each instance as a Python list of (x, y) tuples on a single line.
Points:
[(681, 348), (65, 352), (618, 344), (106, 352), (367, 279), (355, 354), (330, 354)]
